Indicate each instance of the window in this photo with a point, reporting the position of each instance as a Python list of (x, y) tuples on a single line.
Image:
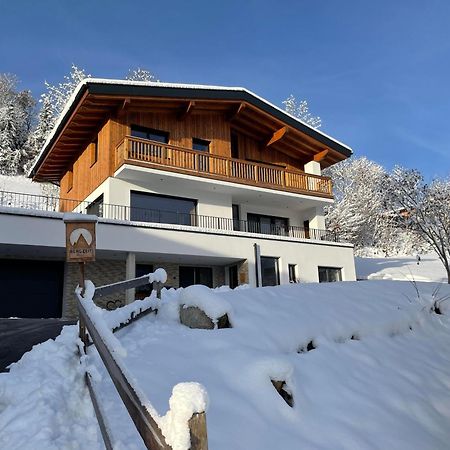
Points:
[(190, 275), (292, 269), (236, 218), (94, 152), (143, 291), (269, 271), (162, 209), (96, 207), (234, 145), (258, 223), (200, 144), (329, 274), (70, 179), (150, 133)]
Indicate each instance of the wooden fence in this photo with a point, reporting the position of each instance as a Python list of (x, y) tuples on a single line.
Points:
[(144, 422)]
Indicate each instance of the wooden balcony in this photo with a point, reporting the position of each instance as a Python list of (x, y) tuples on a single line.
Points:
[(156, 155)]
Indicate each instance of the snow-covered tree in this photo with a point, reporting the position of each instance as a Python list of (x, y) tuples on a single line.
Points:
[(423, 208), (300, 109), (52, 103), (140, 74), (357, 211), (16, 120), (46, 121), (363, 213), (58, 95)]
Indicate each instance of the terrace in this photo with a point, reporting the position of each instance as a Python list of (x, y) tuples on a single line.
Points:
[(156, 155)]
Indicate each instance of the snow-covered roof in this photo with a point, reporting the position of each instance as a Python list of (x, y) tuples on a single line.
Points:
[(127, 87)]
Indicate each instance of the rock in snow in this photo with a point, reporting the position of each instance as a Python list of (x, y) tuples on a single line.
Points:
[(388, 389)]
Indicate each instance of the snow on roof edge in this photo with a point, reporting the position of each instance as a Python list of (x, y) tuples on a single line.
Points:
[(167, 85)]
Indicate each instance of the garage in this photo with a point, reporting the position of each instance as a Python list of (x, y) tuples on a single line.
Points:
[(31, 288)]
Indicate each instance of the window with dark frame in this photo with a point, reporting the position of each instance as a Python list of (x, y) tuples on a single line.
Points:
[(292, 269), (259, 223), (270, 273), (94, 151), (190, 275), (162, 209), (236, 218), (201, 145), (150, 134), (329, 274)]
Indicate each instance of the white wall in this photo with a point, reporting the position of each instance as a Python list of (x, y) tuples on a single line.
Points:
[(24, 229)]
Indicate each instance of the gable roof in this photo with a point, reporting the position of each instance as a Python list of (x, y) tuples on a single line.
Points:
[(137, 89)]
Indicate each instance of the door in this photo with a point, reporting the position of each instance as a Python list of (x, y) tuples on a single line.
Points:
[(31, 289)]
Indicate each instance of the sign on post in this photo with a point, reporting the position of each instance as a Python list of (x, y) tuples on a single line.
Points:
[(80, 238)]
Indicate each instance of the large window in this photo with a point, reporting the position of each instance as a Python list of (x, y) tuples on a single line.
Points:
[(329, 274), (162, 209), (258, 223), (150, 133), (190, 275), (269, 271)]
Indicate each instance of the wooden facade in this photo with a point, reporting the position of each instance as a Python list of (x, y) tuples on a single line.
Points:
[(84, 152)]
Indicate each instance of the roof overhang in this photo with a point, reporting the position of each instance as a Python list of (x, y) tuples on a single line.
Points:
[(94, 100)]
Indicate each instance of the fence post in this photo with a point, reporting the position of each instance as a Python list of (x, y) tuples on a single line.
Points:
[(157, 286), (197, 431)]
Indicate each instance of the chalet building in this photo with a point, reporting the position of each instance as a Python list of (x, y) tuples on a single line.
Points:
[(214, 184)]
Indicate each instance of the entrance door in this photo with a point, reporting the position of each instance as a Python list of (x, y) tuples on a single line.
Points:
[(233, 276)]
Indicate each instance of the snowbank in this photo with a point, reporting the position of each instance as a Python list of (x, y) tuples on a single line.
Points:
[(401, 268), (21, 184), (43, 401), (376, 377)]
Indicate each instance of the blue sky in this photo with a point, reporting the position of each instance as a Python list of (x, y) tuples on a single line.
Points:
[(377, 72)]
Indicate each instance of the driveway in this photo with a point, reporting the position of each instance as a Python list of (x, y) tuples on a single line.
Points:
[(17, 336)]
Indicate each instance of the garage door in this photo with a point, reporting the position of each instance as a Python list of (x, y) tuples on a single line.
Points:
[(31, 288)]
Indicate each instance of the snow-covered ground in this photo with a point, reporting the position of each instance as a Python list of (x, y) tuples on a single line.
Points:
[(387, 388), (429, 268), (21, 184)]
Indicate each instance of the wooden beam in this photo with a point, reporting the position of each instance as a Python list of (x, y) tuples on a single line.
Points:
[(277, 135), (236, 111), (318, 157), (186, 110)]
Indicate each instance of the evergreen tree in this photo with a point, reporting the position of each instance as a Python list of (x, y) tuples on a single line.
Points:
[(301, 111), (16, 120)]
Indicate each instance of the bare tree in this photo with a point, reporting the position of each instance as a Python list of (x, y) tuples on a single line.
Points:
[(424, 208)]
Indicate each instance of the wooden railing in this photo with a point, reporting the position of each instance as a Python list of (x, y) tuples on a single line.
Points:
[(157, 155), (144, 422)]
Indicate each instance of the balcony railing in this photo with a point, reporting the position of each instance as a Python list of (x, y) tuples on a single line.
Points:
[(169, 157), (132, 214)]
